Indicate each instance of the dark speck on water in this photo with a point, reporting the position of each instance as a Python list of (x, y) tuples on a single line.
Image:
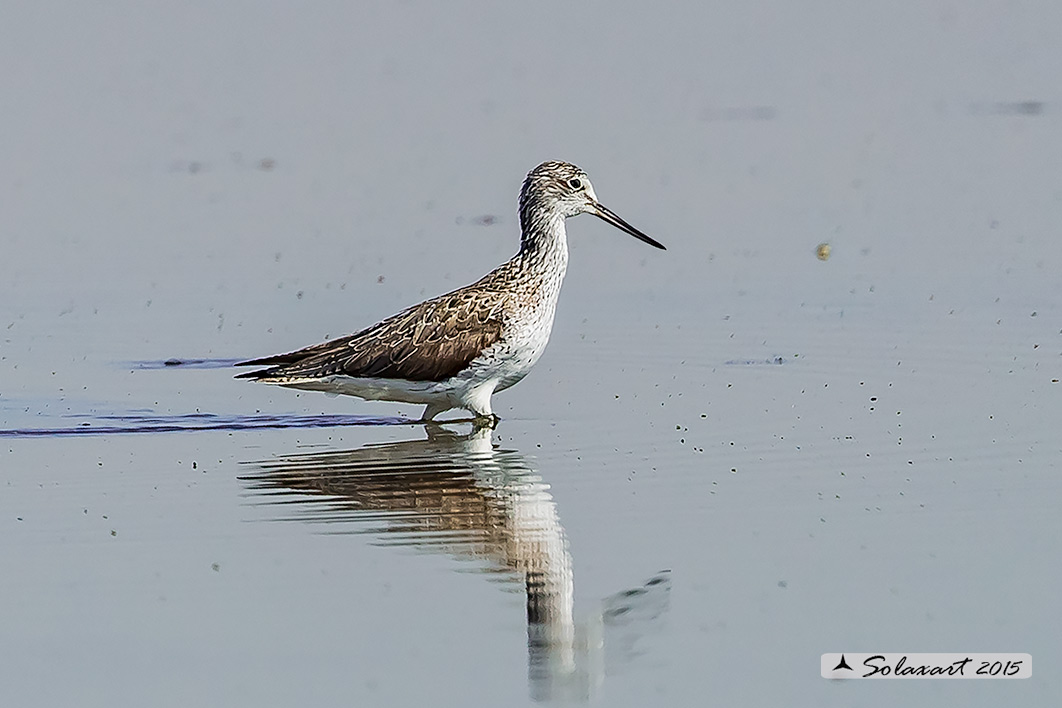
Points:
[(775, 361)]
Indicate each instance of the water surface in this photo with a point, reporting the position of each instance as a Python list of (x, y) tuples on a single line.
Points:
[(733, 457)]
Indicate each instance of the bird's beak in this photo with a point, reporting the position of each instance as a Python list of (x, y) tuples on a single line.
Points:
[(606, 214)]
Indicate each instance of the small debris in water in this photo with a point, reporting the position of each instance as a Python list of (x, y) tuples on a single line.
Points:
[(172, 362)]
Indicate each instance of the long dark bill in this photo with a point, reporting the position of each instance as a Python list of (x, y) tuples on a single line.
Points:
[(606, 214)]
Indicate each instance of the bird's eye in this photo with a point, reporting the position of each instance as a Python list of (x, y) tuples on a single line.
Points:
[(575, 183)]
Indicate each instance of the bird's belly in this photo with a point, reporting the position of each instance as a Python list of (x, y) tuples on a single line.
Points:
[(374, 389)]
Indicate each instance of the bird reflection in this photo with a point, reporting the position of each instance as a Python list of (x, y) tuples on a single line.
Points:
[(461, 495)]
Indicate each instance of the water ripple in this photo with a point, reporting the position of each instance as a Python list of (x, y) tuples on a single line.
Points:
[(175, 362), (197, 422)]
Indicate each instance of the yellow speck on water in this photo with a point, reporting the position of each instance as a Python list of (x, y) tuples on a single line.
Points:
[(822, 251)]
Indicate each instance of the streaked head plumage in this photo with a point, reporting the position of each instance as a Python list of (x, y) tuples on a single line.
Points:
[(556, 190), (559, 187)]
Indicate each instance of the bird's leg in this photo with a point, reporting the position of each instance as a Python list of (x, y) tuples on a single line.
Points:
[(481, 410), (432, 410)]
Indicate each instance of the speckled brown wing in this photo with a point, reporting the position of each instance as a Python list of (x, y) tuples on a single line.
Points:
[(431, 341)]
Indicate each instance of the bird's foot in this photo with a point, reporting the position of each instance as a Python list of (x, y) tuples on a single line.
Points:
[(486, 421), (480, 421)]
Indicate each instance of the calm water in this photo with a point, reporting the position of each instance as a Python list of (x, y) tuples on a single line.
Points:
[(732, 458)]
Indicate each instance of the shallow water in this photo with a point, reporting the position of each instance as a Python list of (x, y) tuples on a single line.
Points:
[(733, 456)]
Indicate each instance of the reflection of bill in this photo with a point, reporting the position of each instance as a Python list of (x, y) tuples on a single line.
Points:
[(460, 495)]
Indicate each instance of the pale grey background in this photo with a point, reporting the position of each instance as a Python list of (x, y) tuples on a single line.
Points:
[(190, 180)]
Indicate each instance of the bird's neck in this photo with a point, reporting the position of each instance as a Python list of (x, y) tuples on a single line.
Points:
[(543, 243)]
